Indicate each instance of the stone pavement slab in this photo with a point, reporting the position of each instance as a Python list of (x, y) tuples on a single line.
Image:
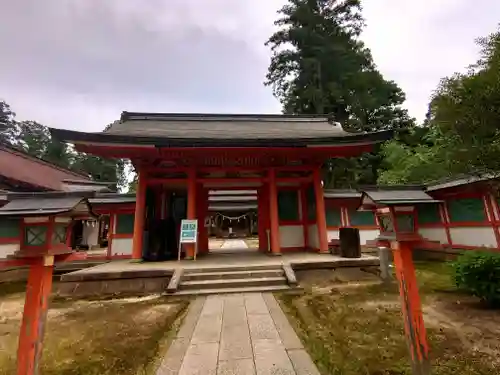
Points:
[(240, 334), (271, 358), (200, 359), (236, 367), (234, 244)]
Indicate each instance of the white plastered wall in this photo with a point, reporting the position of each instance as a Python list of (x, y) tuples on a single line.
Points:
[(8, 249), (121, 246), (291, 236), (434, 234), (313, 236), (473, 236), (364, 235)]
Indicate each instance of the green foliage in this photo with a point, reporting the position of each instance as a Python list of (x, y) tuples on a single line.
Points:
[(320, 65), (7, 123), (478, 273), (462, 129), (35, 139)]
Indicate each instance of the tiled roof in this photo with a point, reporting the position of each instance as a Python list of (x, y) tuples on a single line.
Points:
[(225, 126), (18, 166), (40, 206), (398, 195), (217, 130), (341, 193)]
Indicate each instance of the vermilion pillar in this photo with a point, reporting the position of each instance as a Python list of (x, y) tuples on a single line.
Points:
[(411, 307), (140, 213), (35, 315), (274, 218), (263, 217), (191, 208), (320, 212), (202, 204), (305, 213)]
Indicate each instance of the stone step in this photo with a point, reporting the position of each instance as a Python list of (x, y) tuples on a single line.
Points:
[(230, 268), (226, 275), (252, 289), (232, 283)]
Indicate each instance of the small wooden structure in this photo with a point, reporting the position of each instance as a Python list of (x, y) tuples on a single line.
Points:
[(395, 209), (45, 221)]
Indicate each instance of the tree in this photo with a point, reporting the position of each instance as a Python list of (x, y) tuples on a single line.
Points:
[(462, 126), (320, 65), (8, 128), (34, 138)]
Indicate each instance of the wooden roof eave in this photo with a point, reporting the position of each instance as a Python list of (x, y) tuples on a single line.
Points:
[(71, 136)]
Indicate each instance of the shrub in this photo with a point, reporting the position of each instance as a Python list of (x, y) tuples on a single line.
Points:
[(478, 273)]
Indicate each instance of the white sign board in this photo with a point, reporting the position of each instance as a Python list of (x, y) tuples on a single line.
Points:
[(189, 230)]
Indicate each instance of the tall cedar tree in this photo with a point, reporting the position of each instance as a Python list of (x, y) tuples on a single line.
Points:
[(320, 66)]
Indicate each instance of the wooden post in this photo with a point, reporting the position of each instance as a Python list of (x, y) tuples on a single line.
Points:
[(411, 308), (35, 315), (111, 229), (202, 208), (274, 218), (140, 212), (305, 214), (191, 209), (320, 212), (262, 214)]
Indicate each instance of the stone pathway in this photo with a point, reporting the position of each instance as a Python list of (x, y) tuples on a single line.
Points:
[(236, 334), (234, 244)]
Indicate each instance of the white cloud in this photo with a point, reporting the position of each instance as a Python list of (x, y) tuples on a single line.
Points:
[(78, 64)]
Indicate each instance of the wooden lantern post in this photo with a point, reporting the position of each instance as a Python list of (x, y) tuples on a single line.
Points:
[(43, 242), (397, 228), (396, 219)]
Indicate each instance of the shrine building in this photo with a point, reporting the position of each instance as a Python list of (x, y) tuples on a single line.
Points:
[(179, 158)]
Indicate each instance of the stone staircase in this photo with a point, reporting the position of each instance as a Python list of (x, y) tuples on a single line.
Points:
[(243, 279)]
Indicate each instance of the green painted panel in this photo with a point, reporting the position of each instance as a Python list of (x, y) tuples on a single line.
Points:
[(9, 228), (311, 204), (125, 224), (59, 233), (467, 209), (361, 218), (428, 214), (333, 217), (288, 205), (35, 235)]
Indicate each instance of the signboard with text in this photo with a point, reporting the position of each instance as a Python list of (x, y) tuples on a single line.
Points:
[(189, 230)]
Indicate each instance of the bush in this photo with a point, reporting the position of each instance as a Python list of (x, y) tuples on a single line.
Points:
[(478, 273)]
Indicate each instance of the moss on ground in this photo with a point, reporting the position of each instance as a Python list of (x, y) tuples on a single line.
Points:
[(119, 337), (359, 330)]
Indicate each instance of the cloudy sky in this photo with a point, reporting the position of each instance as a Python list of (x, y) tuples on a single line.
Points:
[(78, 63)]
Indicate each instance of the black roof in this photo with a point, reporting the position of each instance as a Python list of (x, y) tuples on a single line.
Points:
[(41, 206), (223, 130), (390, 195)]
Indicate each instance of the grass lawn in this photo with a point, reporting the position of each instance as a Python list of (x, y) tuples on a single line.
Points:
[(357, 328), (119, 337)]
